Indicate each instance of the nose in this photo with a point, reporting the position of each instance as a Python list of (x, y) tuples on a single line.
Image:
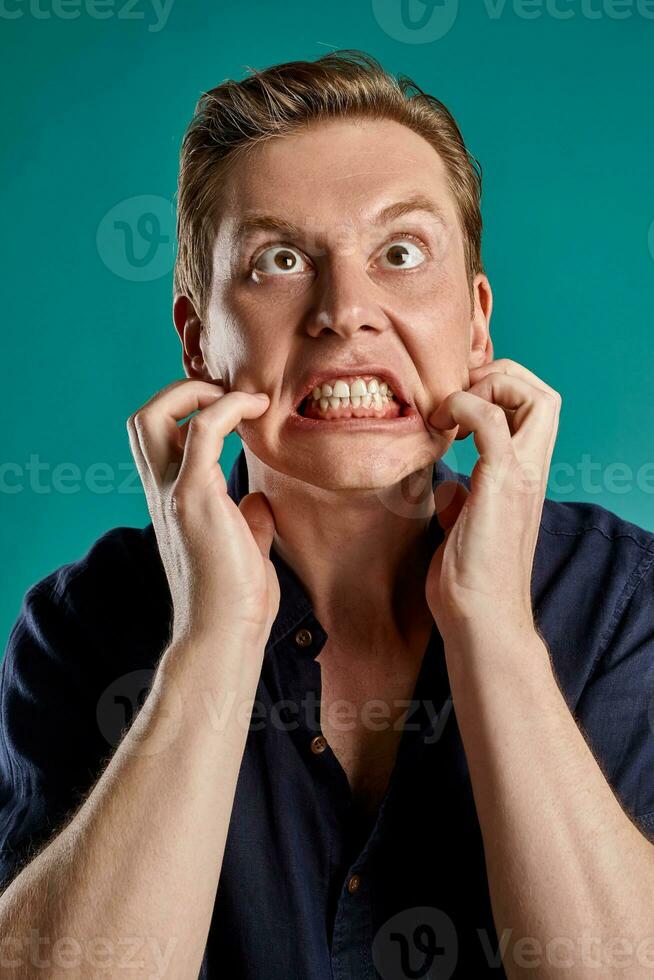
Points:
[(346, 301)]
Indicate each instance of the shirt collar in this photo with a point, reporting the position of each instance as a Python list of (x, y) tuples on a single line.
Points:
[(295, 604)]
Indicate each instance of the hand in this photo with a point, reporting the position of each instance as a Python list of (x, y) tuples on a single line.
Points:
[(482, 569), (215, 554)]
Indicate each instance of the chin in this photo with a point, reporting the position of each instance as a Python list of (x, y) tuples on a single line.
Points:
[(393, 468)]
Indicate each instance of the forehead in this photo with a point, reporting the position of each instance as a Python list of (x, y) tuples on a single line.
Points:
[(338, 170)]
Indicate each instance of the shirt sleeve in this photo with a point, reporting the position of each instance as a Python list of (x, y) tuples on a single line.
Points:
[(616, 710), (78, 664), (42, 726)]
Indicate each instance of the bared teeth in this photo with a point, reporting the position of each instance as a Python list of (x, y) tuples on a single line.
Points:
[(357, 389), (359, 398), (339, 394), (370, 406)]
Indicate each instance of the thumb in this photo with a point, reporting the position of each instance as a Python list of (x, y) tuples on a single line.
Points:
[(259, 517), (449, 498)]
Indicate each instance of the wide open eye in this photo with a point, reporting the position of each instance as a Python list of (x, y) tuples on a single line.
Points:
[(279, 260), (403, 254)]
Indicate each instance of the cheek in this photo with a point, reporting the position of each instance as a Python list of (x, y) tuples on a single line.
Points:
[(436, 317), (435, 333), (250, 340), (273, 300)]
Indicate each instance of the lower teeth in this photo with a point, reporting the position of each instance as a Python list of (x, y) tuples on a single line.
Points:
[(387, 408)]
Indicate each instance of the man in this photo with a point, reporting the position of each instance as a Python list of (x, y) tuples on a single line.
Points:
[(387, 732)]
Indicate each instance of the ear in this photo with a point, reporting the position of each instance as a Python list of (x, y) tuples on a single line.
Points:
[(481, 345), (189, 327)]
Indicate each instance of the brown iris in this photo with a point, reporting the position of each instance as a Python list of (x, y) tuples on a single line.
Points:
[(284, 260)]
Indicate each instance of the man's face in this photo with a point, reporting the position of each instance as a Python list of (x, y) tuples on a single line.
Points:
[(343, 290)]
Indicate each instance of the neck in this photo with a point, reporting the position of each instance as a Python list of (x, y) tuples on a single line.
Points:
[(363, 565)]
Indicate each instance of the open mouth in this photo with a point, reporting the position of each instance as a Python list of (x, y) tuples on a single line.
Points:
[(363, 396)]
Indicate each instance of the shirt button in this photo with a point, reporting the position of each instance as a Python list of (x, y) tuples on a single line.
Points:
[(303, 638), (353, 884), (318, 744)]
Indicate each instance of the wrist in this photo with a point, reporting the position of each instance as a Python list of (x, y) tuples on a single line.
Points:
[(495, 623), (209, 683), (218, 657), (223, 636), (485, 651)]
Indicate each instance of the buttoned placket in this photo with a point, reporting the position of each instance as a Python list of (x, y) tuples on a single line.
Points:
[(351, 935), (298, 637)]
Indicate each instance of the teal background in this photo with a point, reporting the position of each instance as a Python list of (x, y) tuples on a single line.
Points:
[(557, 110)]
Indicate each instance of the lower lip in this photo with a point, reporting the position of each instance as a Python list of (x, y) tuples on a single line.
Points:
[(412, 422)]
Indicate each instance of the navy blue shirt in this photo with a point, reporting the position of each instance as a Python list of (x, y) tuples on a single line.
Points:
[(309, 891)]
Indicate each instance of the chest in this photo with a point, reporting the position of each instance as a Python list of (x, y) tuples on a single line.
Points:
[(363, 705)]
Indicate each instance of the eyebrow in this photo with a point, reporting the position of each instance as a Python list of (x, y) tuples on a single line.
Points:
[(260, 221)]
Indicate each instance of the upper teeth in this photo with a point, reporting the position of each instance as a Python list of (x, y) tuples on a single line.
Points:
[(338, 388)]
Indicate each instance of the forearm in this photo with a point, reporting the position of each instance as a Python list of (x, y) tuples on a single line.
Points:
[(566, 866), (138, 866)]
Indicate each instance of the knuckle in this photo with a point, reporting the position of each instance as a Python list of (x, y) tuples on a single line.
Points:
[(199, 424), (504, 363), (135, 422), (139, 419), (552, 398), (494, 414)]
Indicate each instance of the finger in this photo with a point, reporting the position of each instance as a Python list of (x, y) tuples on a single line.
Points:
[(256, 510), (507, 366), (208, 430), (532, 412), (153, 429), (137, 453), (485, 420), (463, 432), (504, 365)]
